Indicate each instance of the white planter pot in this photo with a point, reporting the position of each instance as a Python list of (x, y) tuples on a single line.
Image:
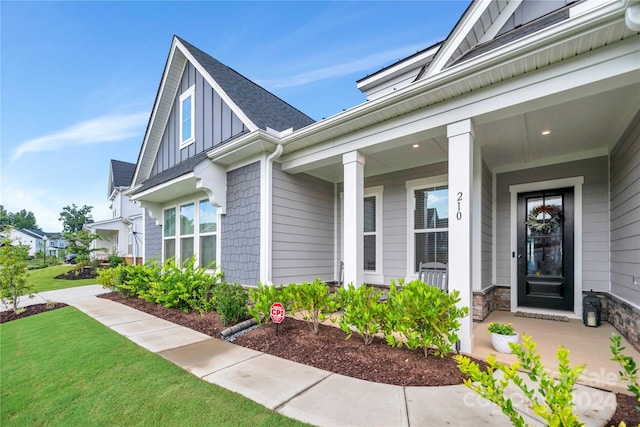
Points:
[(501, 342)]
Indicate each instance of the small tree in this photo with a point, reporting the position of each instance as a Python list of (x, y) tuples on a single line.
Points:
[(80, 244), (13, 272), (73, 218)]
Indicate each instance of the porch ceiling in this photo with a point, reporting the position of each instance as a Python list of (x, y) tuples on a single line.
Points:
[(511, 138)]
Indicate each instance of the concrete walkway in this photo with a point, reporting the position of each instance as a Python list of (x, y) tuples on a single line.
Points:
[(305, 393)]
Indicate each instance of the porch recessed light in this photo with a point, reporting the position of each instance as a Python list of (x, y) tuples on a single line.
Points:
[(416, 145), (546, 132)]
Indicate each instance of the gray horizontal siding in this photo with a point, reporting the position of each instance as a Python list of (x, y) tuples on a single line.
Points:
[(303, 228), (240, 238), (487, 226), (595, 219), (625, 214), (214, 123)]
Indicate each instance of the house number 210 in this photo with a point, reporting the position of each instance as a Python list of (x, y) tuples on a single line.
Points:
[(459, 213)]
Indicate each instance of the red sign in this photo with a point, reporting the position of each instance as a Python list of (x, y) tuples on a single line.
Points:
[(277, 312)]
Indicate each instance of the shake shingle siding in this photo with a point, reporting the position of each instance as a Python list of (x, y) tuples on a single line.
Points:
[(152, 238), (240, 257)]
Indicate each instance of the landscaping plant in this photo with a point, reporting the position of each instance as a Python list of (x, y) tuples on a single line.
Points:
[(557, 408), (262, 299), (312, 301), (230, 301), (501, 328), (424, 315), (184, 287), (362, 311), (629, 369), (13, 272)]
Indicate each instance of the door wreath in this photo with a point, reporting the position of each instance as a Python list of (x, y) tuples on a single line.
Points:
[(548, 226)]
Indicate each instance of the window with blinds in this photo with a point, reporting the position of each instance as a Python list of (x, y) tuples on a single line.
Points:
[(370, 233), (431, 225)]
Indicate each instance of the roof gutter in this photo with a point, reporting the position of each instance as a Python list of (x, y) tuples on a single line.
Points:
[(266, 234)]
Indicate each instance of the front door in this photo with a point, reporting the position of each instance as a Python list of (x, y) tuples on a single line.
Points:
[(545, 249)]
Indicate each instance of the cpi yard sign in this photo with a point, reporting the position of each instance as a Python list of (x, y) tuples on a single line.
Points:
[(277, 314)]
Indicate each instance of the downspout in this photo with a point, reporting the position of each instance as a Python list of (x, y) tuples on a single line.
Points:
[(268, 259)]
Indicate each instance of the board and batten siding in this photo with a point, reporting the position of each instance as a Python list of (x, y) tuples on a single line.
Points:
[(487, 227), (625, 214), (240, 226), (595, 217), (214, 123), (303, 228)]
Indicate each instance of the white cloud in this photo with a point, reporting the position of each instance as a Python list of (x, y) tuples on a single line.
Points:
[(108, 128), (367, 64)]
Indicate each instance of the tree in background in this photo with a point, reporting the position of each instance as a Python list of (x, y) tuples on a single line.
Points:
[(22, 219), (80, 244), (13, 272), (73, 218)]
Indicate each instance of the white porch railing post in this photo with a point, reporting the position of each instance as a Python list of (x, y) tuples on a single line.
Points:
[(353, 217), (461, 165)]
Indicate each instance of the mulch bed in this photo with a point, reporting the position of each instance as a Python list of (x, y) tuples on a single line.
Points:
[(78, 274), (329, 350), (6, 316)]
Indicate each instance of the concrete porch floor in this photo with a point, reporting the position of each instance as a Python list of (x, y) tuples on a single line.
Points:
[(589, 346)]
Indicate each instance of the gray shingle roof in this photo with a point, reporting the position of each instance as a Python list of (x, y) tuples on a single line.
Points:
[(261, 106), (122, 173)]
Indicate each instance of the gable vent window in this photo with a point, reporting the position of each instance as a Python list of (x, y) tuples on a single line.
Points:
[(187, 109)]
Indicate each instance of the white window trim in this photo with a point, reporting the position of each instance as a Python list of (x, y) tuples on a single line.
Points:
[(411, 186), (191, 92), (176, 204), (375, 277), (370, 277)]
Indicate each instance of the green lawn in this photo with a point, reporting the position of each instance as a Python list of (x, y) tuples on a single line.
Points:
[(64, 368), (44, 279)]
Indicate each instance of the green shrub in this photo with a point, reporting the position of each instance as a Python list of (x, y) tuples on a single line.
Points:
[(114, 260), (424, 315), (557, 409), (230, 300), (629, 369), (501, 328), (132, 280), (262, 299), (362, 310), (312, 301), (184, 287)]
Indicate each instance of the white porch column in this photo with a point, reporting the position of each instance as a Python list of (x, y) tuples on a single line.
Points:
[(353, 217), (461, 165)]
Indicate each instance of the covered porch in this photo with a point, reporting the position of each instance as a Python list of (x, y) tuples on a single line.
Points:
[(553, 129), (587, 346)]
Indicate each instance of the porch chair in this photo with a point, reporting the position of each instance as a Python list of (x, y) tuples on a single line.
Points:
[(435, 274)]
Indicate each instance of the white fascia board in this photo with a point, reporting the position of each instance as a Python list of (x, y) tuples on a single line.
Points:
[(457, 36), (485, 62), (397, 69), (143, 160), (504, 16), (232, 105), (256, 137), (145, 194), (572, 78)]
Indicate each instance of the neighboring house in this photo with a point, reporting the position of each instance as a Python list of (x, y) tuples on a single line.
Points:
[(39, 240), (121, 233), (525, 104)]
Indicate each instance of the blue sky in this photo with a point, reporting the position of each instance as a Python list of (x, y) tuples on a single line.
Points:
[(78, 79)]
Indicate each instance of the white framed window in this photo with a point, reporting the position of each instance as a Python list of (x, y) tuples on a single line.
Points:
[(187, 121), (427, 222), (196, 232), (371, 234)]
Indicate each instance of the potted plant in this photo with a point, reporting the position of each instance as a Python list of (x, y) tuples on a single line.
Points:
[(501, 335)]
